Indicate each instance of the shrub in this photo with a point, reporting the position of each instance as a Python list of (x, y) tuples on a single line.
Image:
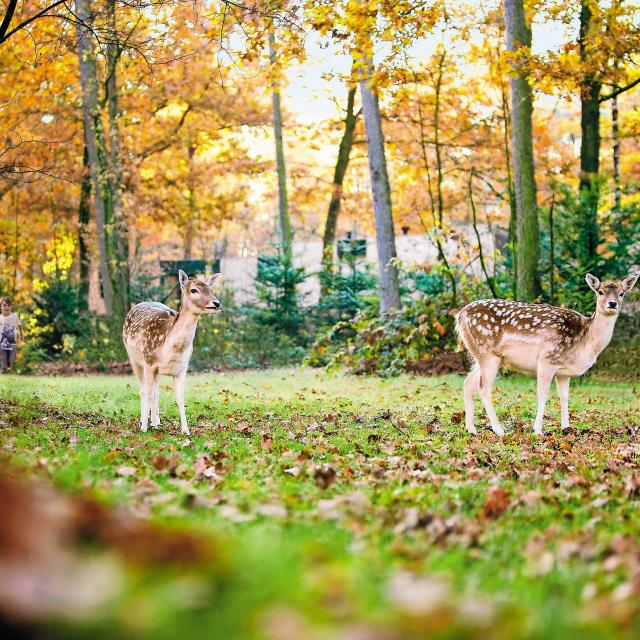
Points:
[(237, 339), (56, 322), (617, 252), (345, 295), (402, 340), (276, 287)]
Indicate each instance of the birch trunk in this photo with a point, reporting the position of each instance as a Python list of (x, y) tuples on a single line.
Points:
[(519, 35), (96, 152), (385, 236), (615, 134), (284, 225)]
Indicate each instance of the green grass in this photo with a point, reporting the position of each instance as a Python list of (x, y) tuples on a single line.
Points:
[(305, 560)]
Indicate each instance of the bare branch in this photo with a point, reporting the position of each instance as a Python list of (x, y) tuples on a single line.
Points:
[(619, 90), (41, 14)]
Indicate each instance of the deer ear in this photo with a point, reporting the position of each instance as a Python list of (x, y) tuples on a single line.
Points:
[(592, 281), (183, 278), (628, 283), (211, 280)]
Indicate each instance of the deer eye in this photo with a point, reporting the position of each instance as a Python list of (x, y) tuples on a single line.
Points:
[(600, 293), (194, 291), (622, 294)]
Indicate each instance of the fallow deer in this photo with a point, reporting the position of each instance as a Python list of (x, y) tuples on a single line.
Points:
[(536, 339), (160, 341)]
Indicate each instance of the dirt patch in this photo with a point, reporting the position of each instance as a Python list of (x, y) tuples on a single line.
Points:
[(69, 368), (450, 362)]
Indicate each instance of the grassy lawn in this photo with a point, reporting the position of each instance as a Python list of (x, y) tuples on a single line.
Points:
[(351, 508)]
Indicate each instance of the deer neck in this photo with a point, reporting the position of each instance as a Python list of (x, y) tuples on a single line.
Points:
[(600, 331), (184, 327)]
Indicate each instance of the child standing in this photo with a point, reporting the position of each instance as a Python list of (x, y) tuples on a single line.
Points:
[(10, 334)]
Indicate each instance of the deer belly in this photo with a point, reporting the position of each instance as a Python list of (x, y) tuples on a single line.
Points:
[(521, 356)]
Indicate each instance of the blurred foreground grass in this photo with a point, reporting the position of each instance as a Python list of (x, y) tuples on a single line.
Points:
[(346, 507)]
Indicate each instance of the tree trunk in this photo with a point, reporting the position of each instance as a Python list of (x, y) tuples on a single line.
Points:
[(519, 35), (385, 236), (189, 226), (513, 217), (615, 134), (589, 151), (283, 203), (94, 139), (342, 163), (120, 234), (84, 214)]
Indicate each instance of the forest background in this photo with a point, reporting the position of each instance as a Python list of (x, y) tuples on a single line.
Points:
[(135, 131)]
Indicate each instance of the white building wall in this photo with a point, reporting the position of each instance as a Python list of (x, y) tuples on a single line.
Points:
[(239, 273)]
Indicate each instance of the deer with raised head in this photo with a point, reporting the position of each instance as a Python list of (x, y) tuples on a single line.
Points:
[(535, 339), (159, 341)]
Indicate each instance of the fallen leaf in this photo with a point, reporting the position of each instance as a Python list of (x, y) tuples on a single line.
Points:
[(324, 476), (632, 486), (417, 595), (244, 428), (266, 441), (293, 471), (125, 472), (272, 510), (497, 502)]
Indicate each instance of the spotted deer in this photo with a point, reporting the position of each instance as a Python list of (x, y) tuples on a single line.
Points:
[(160, 341), (535, 339)]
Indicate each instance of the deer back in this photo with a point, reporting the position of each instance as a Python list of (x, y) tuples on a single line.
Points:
[(146, 327), (495, 323)]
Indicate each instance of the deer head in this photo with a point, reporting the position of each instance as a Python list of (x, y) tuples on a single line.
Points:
[(609, 294), (197, 295)]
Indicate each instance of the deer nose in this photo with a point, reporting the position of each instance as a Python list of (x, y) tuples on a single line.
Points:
[(216, 304), (612, 304)]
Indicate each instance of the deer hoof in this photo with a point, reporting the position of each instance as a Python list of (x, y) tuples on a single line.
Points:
[(143, 428)]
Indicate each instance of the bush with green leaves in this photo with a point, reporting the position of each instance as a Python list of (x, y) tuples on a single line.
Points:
[(237, 339), (414, 338), (55, 321), (401, 340), (279, 301), (346, 292), (563, 265)]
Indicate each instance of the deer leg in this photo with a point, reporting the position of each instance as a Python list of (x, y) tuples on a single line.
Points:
[(139, 371), (146, 395), (178, 385), (562, 384), (488, 372), (470, 390), (155, 403), (545, 376)]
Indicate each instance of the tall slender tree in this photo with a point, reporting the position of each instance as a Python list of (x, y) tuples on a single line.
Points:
[(381, 191), (342, 162), (113, 53), (615, 135), (84, 216), (284, 220), (527, 241), (96, 149), (605, 41)]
